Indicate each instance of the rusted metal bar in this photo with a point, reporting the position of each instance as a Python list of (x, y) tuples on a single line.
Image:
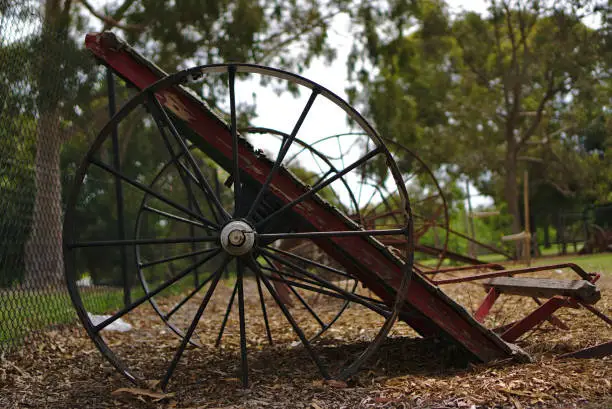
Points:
[(598, 313), (534, 318), (493, 266), (486, 246), (552, 319), (434, 251), (577, 269), (597, 351), (486, 305)]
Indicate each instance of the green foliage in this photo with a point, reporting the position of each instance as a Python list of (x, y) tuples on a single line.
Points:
[(487, 96)]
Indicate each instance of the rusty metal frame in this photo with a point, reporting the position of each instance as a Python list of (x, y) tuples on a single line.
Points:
[(545, 310)]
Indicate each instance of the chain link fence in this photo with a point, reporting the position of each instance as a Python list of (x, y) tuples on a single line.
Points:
[(48, 86)]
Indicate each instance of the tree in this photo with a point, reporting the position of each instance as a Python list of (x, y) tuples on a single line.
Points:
[(477, 93)]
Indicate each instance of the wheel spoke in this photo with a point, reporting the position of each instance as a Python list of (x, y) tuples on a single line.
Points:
[(152, 294), (228, 310), (255, 268), (322, 178), (358, 300), (298, 296), (243, 346), (133, 242), (314, 153), (263, 309), (213, 208), (282, 152), (146, 189), (193, 292), (173, 258), (192, 327), (155, 107), (313, 263), (302, 279), (185, 149), (234, 133), (320, 186), (329, 234), (218, 216), (196, 274), (324, 283), (174, 217)]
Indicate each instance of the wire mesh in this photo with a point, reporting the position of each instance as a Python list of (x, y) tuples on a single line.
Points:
[(48, 86)]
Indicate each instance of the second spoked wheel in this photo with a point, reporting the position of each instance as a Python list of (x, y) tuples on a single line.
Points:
[(207, 212)]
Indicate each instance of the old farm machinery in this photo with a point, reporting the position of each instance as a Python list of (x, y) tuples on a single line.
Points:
[(300, 229)]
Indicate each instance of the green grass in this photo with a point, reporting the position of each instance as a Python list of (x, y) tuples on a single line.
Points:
[(22, 312), (592, 263), (600, 262), (492, 258)]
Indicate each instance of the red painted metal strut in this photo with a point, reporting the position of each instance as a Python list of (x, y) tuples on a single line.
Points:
[(428, 309), (486, 305), (542, 313)]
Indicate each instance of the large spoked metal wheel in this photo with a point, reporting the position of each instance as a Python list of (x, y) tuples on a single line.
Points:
[(213, 216)]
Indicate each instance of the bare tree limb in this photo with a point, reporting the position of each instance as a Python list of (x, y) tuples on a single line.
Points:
[(288, 40), (484, 80), (530, 159), (500, 67), (120, 12), (110, 21), (550, 93), (565, 192)]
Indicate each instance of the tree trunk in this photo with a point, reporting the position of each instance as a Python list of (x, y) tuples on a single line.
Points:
[(511, 194), (535, 246), (43, 251), (547, 234)]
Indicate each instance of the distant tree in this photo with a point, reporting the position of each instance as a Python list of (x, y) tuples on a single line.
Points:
[(476, 93)]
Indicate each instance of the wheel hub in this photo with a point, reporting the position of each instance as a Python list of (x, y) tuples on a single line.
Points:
[(237, 238)]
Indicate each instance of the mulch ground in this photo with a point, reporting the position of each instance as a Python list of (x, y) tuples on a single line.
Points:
[(61, 368)]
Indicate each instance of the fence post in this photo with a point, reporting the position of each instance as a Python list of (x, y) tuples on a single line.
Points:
[(112, 108)]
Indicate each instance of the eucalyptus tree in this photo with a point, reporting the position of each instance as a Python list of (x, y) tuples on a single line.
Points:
[(479, 94)]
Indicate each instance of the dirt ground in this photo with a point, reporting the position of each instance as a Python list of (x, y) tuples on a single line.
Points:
[(61, 368)]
